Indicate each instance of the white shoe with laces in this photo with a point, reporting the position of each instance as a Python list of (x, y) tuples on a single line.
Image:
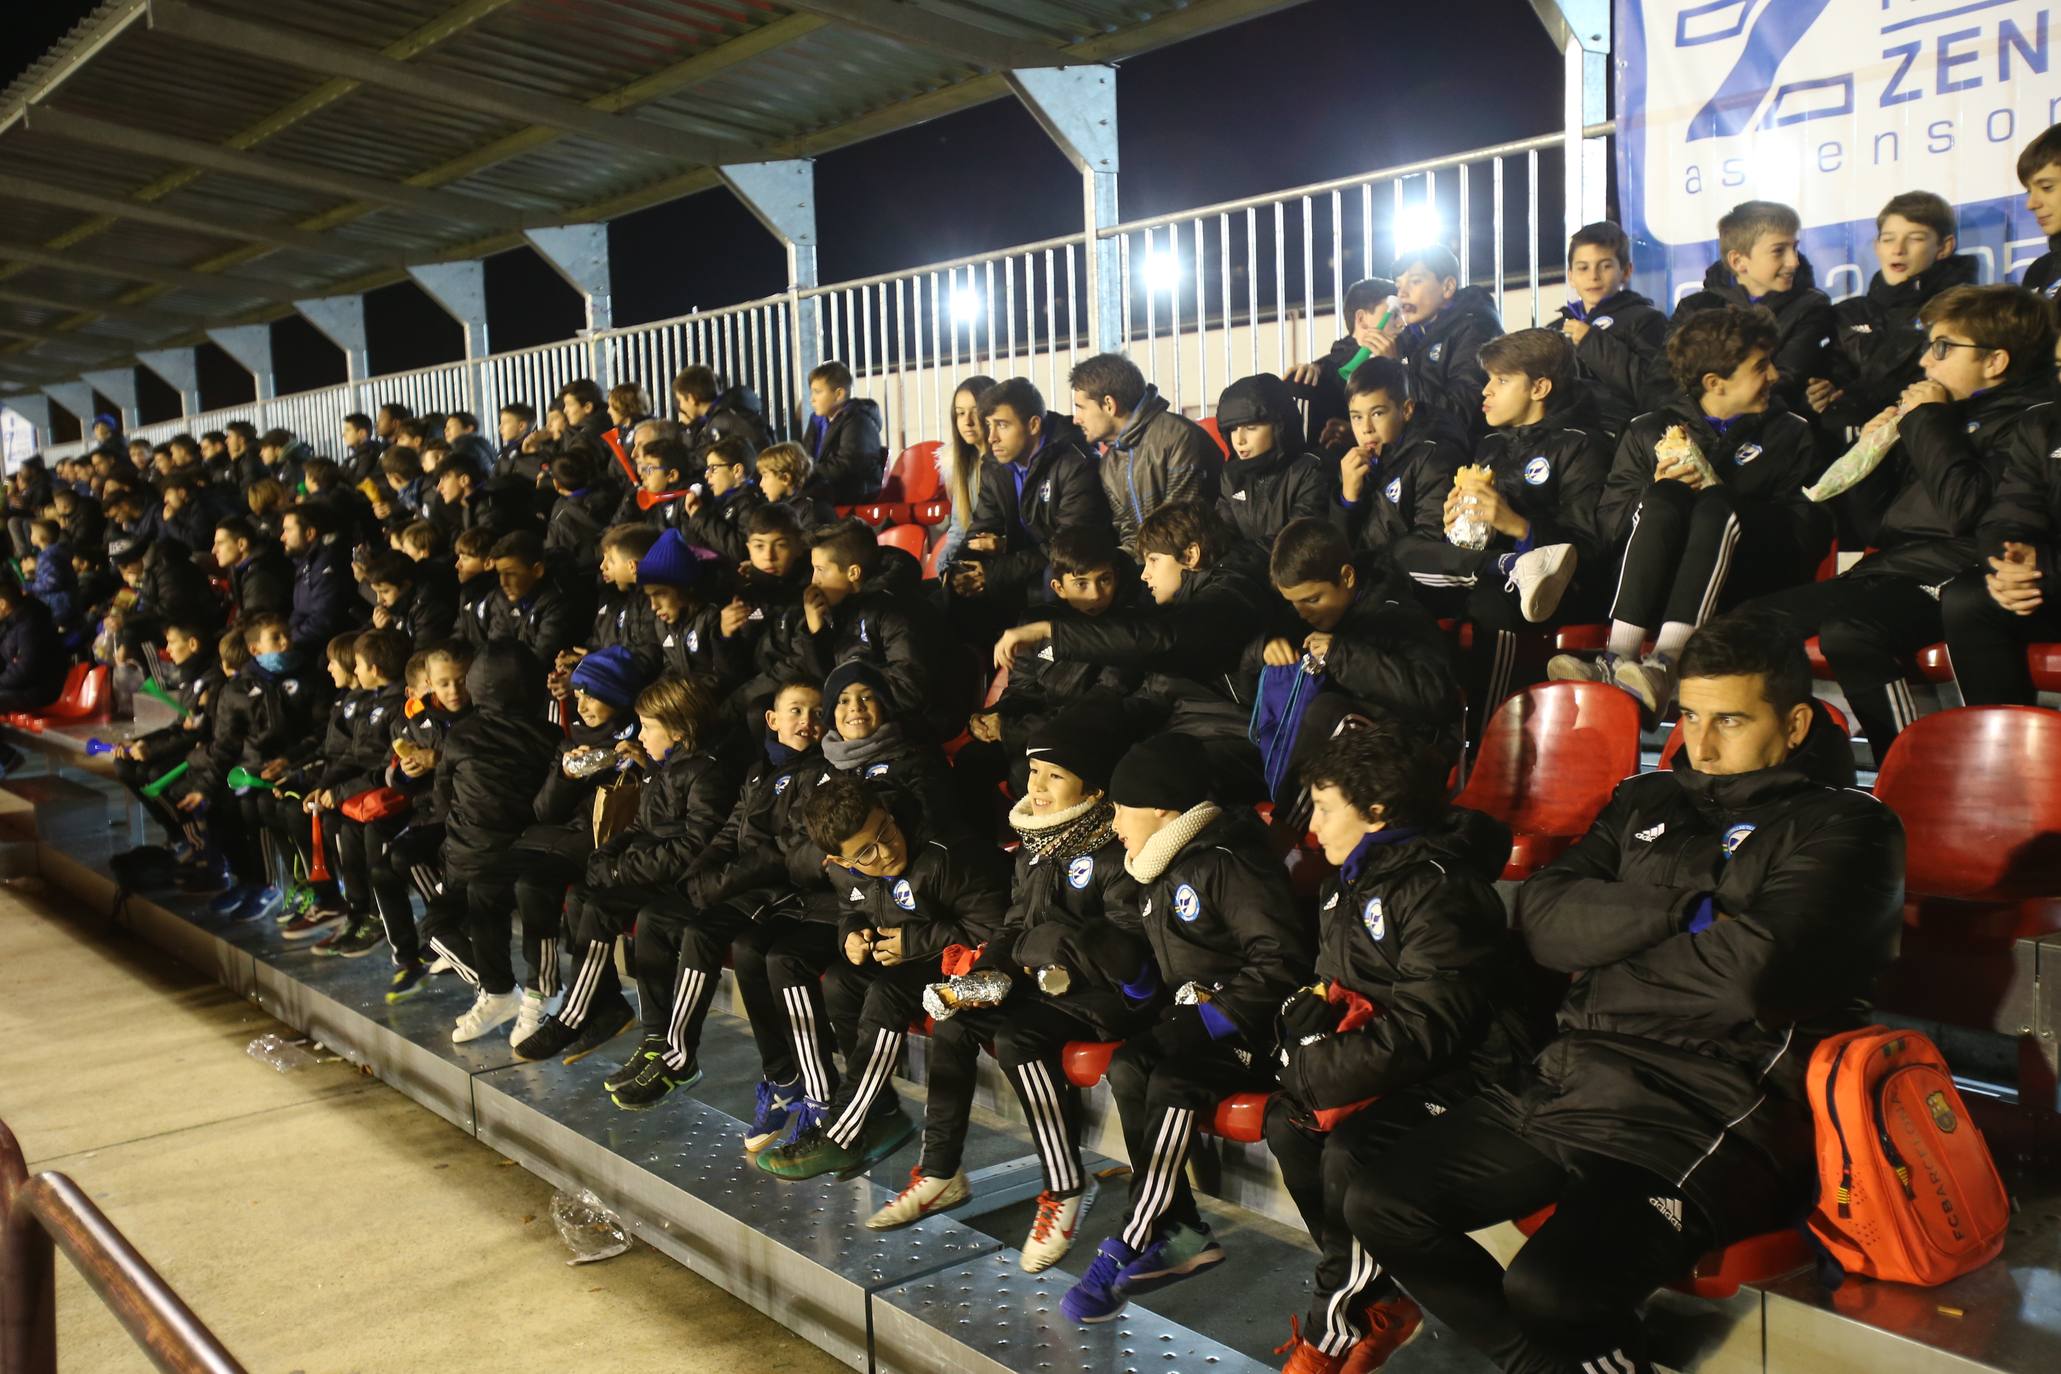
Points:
[(1540, 578), (1052, 1231), (489, 1010), (922, 1197), (1650, 680)]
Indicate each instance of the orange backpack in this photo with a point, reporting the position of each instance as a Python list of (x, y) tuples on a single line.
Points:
[(1906, 1187)]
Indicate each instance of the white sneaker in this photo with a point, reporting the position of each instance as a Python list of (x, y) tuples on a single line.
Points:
[(489, 1010), (1052, 1231), (1540, 579), (440, 964), (529, 1018), (1651, 680), (922, 1197), (1581, 668)]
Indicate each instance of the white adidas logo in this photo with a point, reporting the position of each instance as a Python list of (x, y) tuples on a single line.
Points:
[(1652, 833), (1669, 1207)]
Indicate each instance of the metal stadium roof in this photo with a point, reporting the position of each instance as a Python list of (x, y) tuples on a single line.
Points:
[(173, 165)]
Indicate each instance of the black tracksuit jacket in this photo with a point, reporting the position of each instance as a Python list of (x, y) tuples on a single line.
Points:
[(1804, 321), (1257, 496), (1062, 489), (1876, 351), (1766, 459), (2027, 505), (1443, 357), (849, 454), (745, 854), (494, 759), (1431, 448), (946, 894), (685, 798), (1627, 333), (1096, 900)]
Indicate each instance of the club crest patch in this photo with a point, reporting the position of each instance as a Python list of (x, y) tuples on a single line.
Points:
[(1437, 350), (876, 770), (904, 895), (1374, 919), (1081, 870), (1602, 322), (1736, 836), (1187, 905), (1394, 492), (780, 783), (1747, 453), (1538, 470), (694, 641)]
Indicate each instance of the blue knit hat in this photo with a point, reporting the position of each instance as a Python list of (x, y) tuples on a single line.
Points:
[(671, 562), (609, 675)]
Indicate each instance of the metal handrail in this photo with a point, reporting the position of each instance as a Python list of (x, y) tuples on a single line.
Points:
[(49, 1212)]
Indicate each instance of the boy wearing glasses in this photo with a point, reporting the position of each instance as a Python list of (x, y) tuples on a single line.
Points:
[(1988, 363), (908, 901)]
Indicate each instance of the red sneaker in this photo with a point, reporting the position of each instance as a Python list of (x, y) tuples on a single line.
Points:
[(1304, 1358), (1390, 1326)]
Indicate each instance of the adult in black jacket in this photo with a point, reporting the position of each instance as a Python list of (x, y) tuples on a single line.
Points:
[(1984, 400), (1694, 547), (690, 784), (1445, 326), (1229, 942), (1400, 452), (32, 662), (260, 576), (1269, 479), (1419, 1001), (1992, 616), (1152, 455), (844, 439), (325, 600), (1616, 332), (1041, 482), (493, 760), (1718, 920), (1073, 909), (905, 896)]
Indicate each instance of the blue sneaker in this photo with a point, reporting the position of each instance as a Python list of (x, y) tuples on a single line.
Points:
[(261, 902), (777, 1102), (1097, 1296), (1180, 1252), (231, 902), (806, 1113)]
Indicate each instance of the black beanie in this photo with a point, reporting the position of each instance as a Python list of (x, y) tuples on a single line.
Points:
[(1080, 744), (861, 671), (1164, 773)]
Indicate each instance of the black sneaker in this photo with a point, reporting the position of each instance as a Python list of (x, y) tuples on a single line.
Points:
[(649, 1048), (354, 941), (547, 1041), (606, 1019), (408, 980), (658, 1079)]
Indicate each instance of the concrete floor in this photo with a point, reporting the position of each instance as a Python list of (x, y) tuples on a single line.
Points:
[(318, 1221)]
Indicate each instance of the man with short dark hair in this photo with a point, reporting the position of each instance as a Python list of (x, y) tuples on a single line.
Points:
[(1151, 454), (361, 447), (324, 599), (260, 578), (1039, 483)]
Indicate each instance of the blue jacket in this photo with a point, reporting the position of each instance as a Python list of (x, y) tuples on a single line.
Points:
[(324, 599), (32, 664)]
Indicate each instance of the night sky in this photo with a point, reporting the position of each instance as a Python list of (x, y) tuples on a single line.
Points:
[(1324, 90)]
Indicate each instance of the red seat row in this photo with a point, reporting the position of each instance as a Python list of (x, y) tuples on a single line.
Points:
[(87, 699)]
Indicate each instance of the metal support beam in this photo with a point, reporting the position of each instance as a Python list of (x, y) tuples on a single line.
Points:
[(782, 195), (579, 253), (77, 399), (212, 157), (341, 319), (461, 289), (91, 203), (926, 28), (1076, 107), (118, 384), (33, 408), (154, 317), (521, 107), (251, 346), (180, 369), (1581, 30), (129, 269)]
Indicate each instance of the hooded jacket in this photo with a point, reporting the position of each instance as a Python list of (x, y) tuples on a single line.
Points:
[(1804, 322), (1875, 353), (685, 798), (735, 414), (494, 759), (1683, 1052), (1217, 911), (1156, 458), (849, 454), (1443, 357), (1551, 473), (1259, 495), (325, 599), (1764, 458), (1413, 924), (1627, 332), (1949, 460), (744, 859), (1393, 502), (946, 894), (1060, 488)]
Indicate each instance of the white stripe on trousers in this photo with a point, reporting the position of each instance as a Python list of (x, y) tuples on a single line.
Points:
[(1501, 666), (463, 969), (574, 1012), (1719, 570), (684, 996), (887, 1044), (1048, 1125), (1616, 1362), (1340, 1332), (801, 1018), (1169, 1156), (1623, 562)]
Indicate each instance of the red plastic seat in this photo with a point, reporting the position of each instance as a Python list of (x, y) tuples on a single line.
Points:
[(880, 514), (1209, 424), (1674, 737), (930, 558), (1719, 1274), (67, 697), (1086, 1061), (1581, 639), (910, 539), (913, 478), (1979, 791), (935, 512), (1241, 1117), (1933, 664), (1820, 669), (1549, 760), (2045, 662)]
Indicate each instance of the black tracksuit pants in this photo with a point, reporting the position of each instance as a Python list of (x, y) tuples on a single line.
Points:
[(471, 930), (679, 958), (871, 1006), (1986, 643), (597, 917), (136, 774), (1692, 554), (1319, 1168), (1164, 1092), (1028, 1031), (1569, 1302), (372, 884), (791, 957), (1870, 629), (548, 860)]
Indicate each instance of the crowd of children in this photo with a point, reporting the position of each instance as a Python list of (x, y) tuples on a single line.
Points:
[(619, 680)]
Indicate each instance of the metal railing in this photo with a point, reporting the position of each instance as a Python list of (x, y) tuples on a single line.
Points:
[(1208, 295), (47, 1213)]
